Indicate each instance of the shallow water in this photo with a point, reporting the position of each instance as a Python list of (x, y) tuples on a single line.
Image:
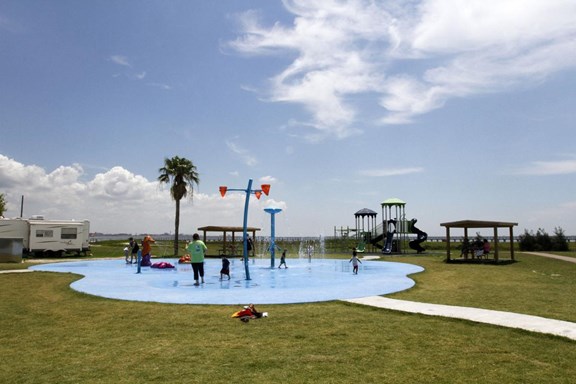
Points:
[(303, 281)]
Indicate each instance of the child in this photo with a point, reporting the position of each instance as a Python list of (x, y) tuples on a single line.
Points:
[(134, 248), (225, 268), (355, 262), (283, 260), (126, 255)]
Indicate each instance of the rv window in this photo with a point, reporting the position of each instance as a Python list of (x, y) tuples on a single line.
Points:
[(44, 233), (69, 233)]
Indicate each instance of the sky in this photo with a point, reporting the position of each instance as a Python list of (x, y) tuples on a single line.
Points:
[(462, 109)]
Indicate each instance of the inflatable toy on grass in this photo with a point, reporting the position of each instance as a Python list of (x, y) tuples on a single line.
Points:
[(249, 312)]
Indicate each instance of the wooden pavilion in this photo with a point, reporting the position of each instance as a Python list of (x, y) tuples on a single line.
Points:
[(229, 248), (466, 224)]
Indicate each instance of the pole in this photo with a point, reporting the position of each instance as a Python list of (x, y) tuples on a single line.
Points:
[(272, 240), (139, 260), (272, 212), (245, 230)]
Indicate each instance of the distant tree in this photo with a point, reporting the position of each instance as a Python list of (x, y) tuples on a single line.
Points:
[(2, 204), (559, 241), (543, 240), (527, 241), (182, 175)]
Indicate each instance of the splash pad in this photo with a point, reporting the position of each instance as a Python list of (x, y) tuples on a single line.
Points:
[(305, 280)]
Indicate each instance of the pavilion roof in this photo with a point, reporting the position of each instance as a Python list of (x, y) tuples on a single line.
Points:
[(365, 212), (478, 224)]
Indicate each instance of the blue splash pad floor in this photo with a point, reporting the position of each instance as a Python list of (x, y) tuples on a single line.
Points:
[(303, 281)]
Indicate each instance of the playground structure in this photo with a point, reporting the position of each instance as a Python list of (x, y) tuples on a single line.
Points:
[(392, 234)]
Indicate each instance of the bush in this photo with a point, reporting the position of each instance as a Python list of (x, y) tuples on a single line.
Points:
[(541, 241), (559, 241)]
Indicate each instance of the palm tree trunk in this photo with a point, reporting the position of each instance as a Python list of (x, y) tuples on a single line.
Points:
[(176, 228)]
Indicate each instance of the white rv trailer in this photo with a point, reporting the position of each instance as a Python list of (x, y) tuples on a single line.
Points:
[(38, 236)]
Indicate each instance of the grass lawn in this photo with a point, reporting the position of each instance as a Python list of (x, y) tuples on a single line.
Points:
[(52, 334)]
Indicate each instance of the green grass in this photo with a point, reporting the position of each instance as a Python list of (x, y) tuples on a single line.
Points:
[(52, 334)]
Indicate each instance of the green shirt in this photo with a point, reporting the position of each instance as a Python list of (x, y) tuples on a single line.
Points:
[(197, 249)]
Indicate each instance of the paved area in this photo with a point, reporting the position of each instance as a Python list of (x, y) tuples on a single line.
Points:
[(551, 256), (504, 319)]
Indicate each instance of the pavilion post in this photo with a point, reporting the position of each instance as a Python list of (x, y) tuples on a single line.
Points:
[(512, 243), (447, 243), (496, 244)]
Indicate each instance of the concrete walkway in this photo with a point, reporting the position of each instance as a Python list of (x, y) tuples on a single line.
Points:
[(551, 256), (504, 319)]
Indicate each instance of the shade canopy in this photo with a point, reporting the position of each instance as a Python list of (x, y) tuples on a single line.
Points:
[(228, 249), (467, 224)]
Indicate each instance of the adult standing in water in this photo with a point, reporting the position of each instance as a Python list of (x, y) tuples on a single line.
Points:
[(147, 251), (197, 250)]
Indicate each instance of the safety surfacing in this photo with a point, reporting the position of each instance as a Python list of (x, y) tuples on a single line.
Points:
[(303, 281)]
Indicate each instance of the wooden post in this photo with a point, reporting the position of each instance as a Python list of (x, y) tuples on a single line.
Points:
[(512, 242), (466, 237), (496, 243), (447, 243)]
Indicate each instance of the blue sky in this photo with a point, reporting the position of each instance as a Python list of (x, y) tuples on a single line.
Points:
[(464, 110)]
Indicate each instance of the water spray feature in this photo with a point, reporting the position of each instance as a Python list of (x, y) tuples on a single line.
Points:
[(312, 248), (272, 212)]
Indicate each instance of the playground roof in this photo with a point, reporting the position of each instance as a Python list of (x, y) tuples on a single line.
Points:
[(365, 212), (393, 201)]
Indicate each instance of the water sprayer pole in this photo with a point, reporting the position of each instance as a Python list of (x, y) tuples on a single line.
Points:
[(139, 260), (273, 239), (245, 230)]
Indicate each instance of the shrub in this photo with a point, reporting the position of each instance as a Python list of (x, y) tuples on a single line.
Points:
[(541, 241), (559, 241)]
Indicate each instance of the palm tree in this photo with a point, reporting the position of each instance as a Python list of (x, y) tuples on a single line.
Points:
[(183, 175), (2, 204)]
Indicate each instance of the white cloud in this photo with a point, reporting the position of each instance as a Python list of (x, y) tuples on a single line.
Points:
[(546, 168), (267, 179), (247, 157), (390, 172), (120, 60), (161, 86), (413, 57), (119, 201)]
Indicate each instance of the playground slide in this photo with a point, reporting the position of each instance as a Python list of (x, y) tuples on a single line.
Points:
[(388, 244), (389, 236), (421, 237), (376, 240)]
